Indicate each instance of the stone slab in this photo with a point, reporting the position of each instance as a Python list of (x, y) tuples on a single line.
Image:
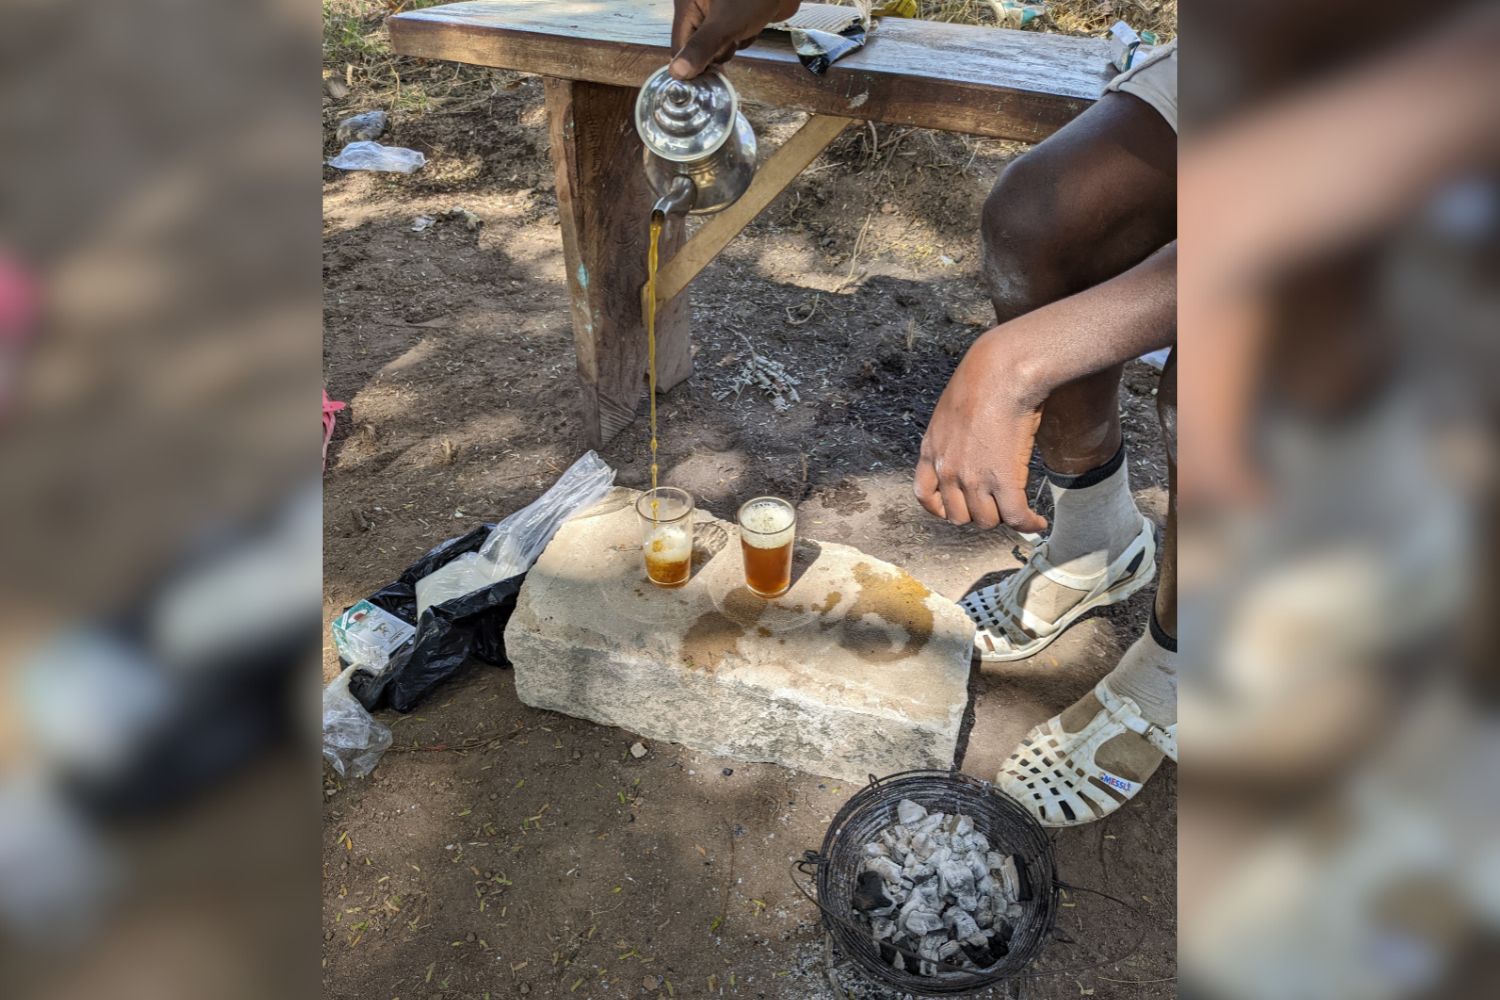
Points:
[(858, 669)]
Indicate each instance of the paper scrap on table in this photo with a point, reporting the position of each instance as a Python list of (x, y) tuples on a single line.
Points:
[(821, 35)]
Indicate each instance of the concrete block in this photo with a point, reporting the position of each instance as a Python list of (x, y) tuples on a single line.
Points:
[(858, 669)]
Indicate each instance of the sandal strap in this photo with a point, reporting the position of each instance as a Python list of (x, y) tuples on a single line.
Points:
[(1007, 591), (1128, 714), (1100, 582), (1053, 772), (1002, 622)]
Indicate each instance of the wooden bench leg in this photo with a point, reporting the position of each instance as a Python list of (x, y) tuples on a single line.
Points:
[(605, 207)]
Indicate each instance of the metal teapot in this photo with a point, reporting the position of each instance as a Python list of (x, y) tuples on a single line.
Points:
[(700, 150)]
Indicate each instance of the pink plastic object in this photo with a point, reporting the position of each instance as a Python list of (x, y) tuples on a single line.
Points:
[(330, 407), (18, 301)]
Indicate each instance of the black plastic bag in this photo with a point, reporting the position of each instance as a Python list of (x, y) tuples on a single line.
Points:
[(447, 634)]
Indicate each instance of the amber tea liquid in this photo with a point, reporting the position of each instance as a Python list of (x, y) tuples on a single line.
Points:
[(768, 532)]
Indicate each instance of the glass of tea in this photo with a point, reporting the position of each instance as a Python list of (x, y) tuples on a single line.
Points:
[(768, 531), (666, 516)]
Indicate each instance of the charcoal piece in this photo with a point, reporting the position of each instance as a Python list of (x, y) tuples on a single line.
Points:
[(960, 924), (978, 954), (1003, 929), (869, 895), (919, 922), (1010, 879), (1023, 885), (928, 824), (885, 868), (956, 878), (909, 812)]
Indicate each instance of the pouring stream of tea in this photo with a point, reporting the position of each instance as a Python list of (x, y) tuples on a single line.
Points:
[(657, 218)]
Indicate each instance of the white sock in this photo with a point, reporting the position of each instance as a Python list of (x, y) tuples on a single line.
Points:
[(1094, 517), (1147, 674)]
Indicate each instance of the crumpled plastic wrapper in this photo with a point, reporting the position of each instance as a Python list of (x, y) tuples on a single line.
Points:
[(822, 36), (374, 156)]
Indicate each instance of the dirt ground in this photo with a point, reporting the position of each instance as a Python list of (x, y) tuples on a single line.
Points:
[(500, 851)]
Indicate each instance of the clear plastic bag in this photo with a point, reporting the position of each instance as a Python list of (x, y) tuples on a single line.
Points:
[(457, 622), (518, 540), (374, 156), (463, 575), (353, 741)]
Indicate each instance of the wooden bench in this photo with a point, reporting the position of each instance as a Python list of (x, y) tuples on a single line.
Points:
[(594, 54)]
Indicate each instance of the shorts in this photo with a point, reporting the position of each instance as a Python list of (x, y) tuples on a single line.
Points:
[(1153, 80)]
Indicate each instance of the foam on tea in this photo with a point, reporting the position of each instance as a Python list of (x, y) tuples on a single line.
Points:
[(769, 525), (669, 554)]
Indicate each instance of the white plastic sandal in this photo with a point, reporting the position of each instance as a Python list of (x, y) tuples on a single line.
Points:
[(1007, 631), (1053, 773)]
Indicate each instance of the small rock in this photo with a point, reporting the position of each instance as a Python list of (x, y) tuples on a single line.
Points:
[(637, 750), (577, 754), (525, 989), (470, 220), (370, 125), (422, 222), (649, 983), (469, 937), (886, 208), (728, 771), (335, 89)]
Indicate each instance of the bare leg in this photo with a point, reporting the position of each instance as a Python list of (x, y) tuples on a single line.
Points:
[(1088, 203), (1145, 673), (1166, 558)]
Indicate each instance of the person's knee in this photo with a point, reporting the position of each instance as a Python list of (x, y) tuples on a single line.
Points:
[(1019, 226)]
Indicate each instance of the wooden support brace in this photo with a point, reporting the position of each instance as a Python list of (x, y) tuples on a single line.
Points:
[(771, 178), (604, 204)]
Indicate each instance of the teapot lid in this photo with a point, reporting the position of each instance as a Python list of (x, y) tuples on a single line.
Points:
[(682, 120)]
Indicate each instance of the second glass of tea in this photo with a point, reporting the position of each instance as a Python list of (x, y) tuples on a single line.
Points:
[(768, 533), (666, 516)]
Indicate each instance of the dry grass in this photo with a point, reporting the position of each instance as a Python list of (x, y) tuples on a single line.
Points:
[(1068, 17)]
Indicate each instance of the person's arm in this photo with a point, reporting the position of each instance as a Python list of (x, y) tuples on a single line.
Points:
[(978, 444), (707, 32)]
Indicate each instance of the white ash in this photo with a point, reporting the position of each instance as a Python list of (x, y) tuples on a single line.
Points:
[(932, 885), (771, 377)]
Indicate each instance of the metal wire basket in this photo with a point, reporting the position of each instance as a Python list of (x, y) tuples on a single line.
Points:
[(834, 870)]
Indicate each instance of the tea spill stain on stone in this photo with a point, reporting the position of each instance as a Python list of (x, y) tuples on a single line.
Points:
[(897, 599), (710, 640)]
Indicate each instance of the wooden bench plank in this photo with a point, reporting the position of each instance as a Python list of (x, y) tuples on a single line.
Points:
[(960, 78)]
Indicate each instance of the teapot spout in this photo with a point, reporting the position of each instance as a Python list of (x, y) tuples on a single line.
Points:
[(679, 197)]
